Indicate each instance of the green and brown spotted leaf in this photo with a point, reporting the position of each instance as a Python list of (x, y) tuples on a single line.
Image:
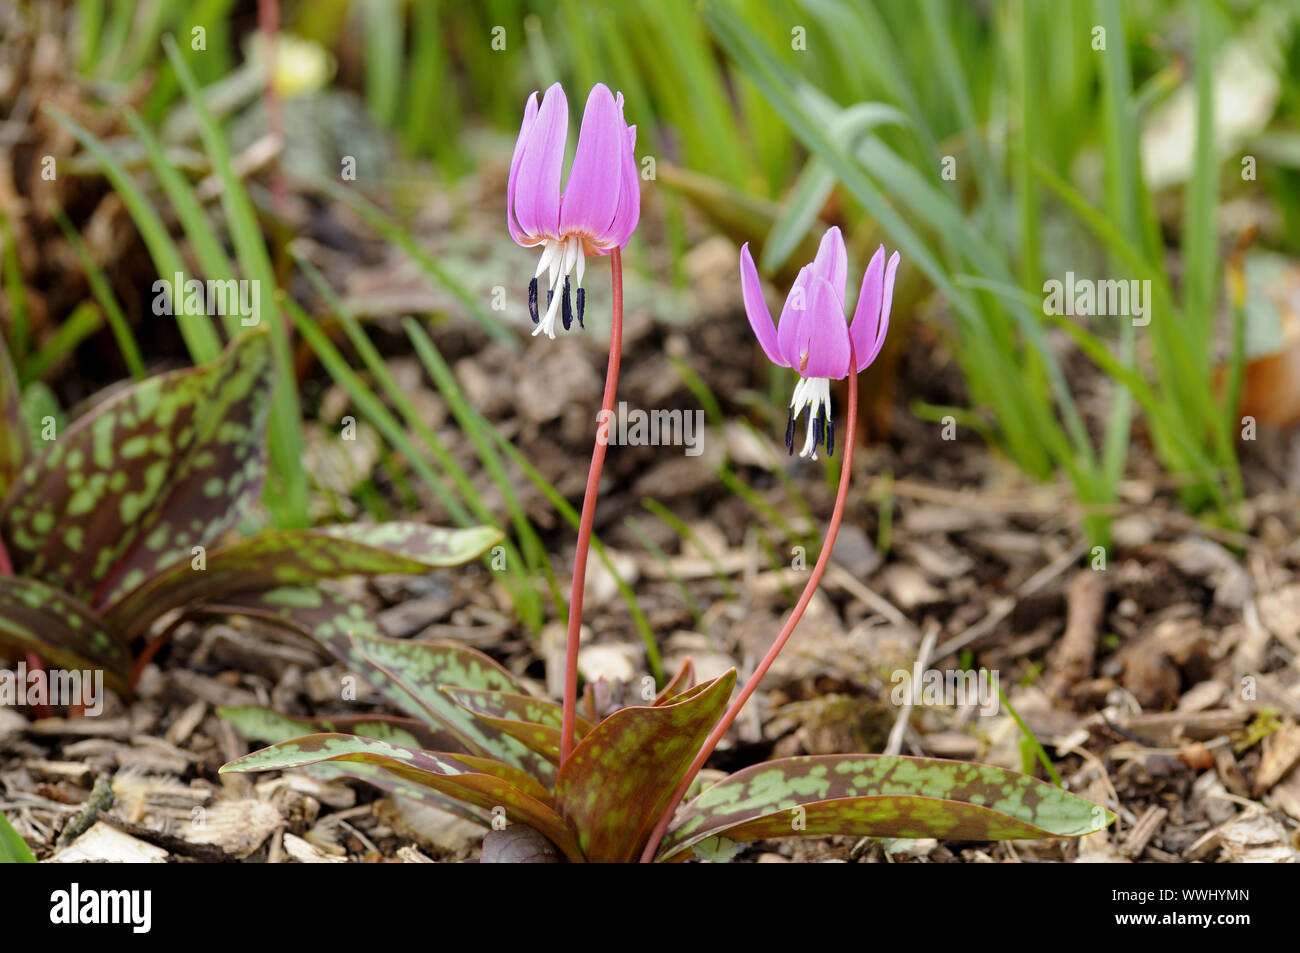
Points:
[(880, 796), (168, 464), (444, 773), (14, 448), (300, 557), (376, 777), (534, 721), (681, 682), (618, 781), (271, 727), (35, 617), (423, 669), (326, 616)]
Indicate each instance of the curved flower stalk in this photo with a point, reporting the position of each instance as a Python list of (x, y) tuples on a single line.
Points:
[(597, 210), (595, 213), (812, 337)]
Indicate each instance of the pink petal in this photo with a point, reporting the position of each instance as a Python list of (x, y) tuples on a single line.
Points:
[(760, 319), (592, 193), (537, 198), (832, 261), (866, 316), (823, 337), (530, 116), (886, 300), (793, 313), (629, 194)]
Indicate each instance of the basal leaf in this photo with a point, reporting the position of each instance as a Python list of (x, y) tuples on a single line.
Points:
[(535, 722), (444, 773), (35, 617), (423, 669), (618, 781), (263, 724), (681, 682), (297, 557), (376, 777), (880, 796), (408, 673), (168, 464), (13, 430)]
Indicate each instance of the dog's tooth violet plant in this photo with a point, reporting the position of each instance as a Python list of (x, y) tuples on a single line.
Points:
[(606, 790), (812, 337), (596, 211)]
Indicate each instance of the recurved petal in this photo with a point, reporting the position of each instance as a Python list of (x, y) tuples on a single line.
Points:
[(832, 261), (592, 192), (760, 318), (886, 301), (537, 190), (866, 316), (629, 195), (526, 127), (823, 336), (793, 313)]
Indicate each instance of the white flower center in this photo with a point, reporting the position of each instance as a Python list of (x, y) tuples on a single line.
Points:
[(814, 393), (560, 257)]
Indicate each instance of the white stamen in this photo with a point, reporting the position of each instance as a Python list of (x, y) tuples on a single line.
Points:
[(561, 257), (548, 253), (812, 393)]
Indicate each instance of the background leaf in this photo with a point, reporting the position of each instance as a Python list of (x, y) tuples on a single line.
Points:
[(13, 849), (13, 431)]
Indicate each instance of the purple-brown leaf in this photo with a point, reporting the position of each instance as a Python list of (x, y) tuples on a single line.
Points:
[(445, 773), (168, 464), (880, 796), (618, 781), (35, 617)]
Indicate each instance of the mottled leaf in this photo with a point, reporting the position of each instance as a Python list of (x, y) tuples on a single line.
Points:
[(297, 557), (263, 724), (681, 682), (423, 669), (167, 464), (35, 617), (444, 773), (880, 796), (376, 777), (407, 673), (618, 781), (534, 721), (13, 429)]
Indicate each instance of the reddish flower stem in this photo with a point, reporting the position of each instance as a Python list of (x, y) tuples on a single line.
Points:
[(589, 508), (828, 545)]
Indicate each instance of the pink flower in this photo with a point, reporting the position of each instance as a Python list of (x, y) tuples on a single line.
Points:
[(812, 336), (596, 211)]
